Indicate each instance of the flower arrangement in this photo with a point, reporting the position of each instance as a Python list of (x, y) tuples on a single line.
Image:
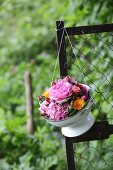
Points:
[(64, 98)]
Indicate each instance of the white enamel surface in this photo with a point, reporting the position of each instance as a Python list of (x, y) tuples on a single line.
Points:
[(80, 128)]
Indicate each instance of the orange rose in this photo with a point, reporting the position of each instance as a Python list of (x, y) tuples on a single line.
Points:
[(78, 104), (46, 94)]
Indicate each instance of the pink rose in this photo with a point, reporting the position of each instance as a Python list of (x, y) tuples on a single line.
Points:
[(85, 90), (76, 90), (61, 90), (84, 98)]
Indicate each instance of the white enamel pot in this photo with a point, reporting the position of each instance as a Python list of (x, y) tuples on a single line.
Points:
[(77, 124)]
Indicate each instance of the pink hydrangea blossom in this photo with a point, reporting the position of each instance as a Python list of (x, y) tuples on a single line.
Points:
[(61, 90), (43, 107), (54, 111), (57, 111)]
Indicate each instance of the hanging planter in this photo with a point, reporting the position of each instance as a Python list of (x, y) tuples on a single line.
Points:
[(67, 104)]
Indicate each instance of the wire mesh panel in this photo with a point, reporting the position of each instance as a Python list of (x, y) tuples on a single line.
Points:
[(94, 155), (89, 59)]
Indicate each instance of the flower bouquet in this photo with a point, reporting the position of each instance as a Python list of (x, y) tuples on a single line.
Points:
[(67, 104)]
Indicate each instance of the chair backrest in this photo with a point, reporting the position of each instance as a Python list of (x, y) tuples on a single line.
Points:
[(102, 129)]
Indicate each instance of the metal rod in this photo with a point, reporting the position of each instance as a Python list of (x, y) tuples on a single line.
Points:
[(61, 48), (88, 29), (70, 154)]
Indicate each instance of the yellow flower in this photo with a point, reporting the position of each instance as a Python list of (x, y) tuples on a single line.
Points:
[(78, 104), (46, 94)]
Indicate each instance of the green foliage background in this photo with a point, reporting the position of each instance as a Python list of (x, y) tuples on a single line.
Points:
[(27, 42)]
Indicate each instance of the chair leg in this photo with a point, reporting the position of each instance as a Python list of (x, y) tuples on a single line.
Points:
[(70, 154)]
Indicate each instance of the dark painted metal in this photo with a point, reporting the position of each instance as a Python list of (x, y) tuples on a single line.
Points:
[(70, 154), (61, 48), (99, 131), (88, 29)]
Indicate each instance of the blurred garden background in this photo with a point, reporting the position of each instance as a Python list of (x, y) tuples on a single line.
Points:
[(28, 43)]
